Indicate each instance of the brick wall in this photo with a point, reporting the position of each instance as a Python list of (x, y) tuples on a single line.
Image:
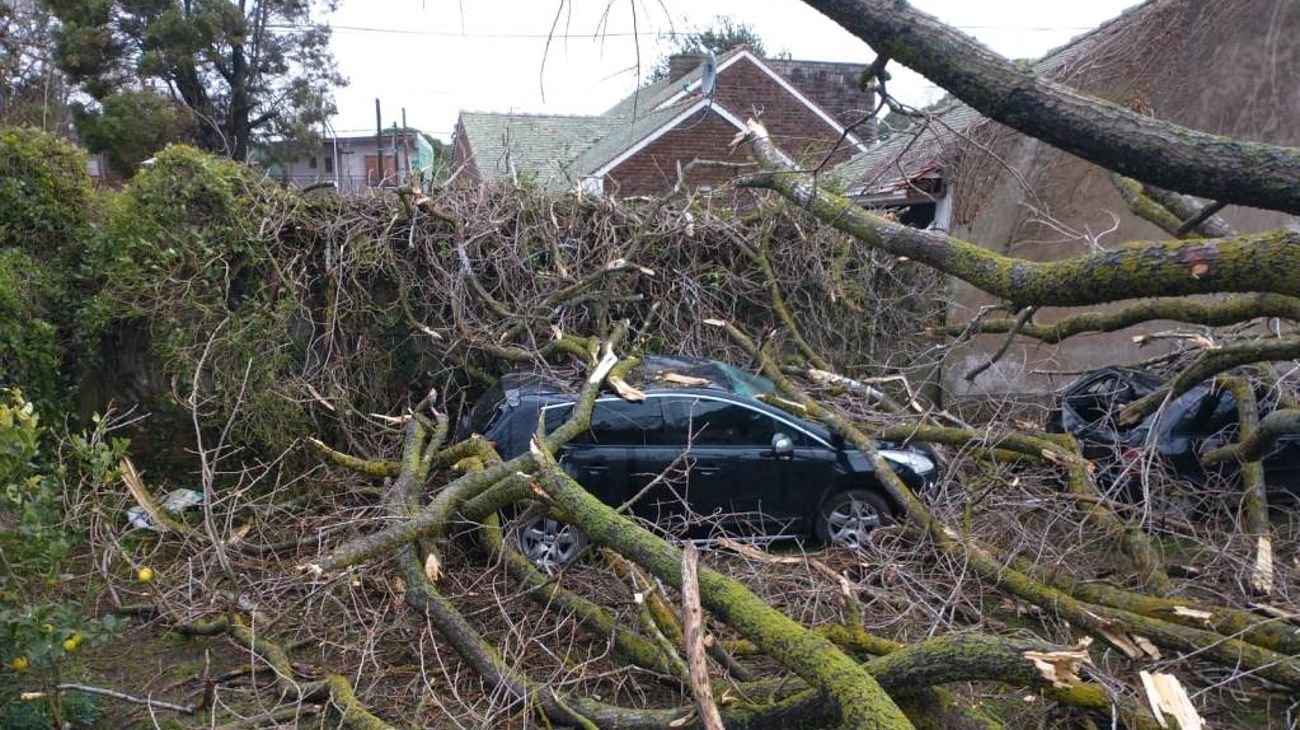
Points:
[(834, 87), (461, 157), (653, 170), (745, 91)]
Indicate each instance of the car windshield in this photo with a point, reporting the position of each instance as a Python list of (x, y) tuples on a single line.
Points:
[(745, 383)]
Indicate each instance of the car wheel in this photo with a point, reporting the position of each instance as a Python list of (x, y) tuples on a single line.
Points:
[(548, 543), (847, 517)]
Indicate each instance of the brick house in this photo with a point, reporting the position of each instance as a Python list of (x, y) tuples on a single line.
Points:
[(811, 108), (1207, 66)]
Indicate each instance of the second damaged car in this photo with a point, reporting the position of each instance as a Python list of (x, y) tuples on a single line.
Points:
[(1179, 433)]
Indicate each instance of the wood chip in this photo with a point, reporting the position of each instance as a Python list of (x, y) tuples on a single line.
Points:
[(1167, 697), (1145, 645), (1061, 668), (625, 391), (687, 380), (1261, 576), (239, 533), (1275, 612), (682, 721), (1195, 613), (1122, 642), (432, 568), (607, 362)]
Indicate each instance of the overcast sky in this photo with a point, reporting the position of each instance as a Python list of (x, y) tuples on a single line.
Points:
[(437, 57)]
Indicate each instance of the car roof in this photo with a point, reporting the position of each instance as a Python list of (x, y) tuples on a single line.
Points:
[(648, 375), (1136, 375)]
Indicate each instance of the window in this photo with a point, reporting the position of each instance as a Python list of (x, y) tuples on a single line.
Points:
[(615, 423), (329, 165), (311, 162), (720, 423)]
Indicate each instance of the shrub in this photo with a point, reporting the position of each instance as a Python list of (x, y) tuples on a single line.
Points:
[(29, 342), (39, 627), (45, 193)]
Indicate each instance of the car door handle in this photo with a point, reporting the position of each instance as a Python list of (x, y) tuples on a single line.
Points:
[(707, 470), (596, 468)]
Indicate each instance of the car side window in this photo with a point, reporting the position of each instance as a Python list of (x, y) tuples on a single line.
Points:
[(615, 423), (710, 422)]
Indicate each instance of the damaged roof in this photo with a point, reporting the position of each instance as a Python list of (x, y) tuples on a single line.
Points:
[(895, 164)]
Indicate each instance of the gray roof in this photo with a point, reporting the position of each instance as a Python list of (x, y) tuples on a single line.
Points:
[(547, 145), (891, 165), (626, 132)]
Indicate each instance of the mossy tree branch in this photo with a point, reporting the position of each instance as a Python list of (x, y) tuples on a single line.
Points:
[(1279, 423), (1171, 211), (1219, 312), (860, 700), (1208, 364), (1261, 262)]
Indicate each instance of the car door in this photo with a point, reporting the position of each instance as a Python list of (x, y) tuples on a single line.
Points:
[(601, 458), (734, 480)]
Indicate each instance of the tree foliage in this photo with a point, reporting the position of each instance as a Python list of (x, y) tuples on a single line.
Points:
[(245, 71), (129, 126), (722, 36), (32, 91)]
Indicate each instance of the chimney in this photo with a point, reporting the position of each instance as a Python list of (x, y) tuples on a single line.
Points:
[(682, 63)]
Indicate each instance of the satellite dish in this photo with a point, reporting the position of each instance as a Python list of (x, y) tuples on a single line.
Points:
[(710, 75)]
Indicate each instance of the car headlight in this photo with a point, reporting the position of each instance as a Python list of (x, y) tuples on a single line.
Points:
[(918, 463)]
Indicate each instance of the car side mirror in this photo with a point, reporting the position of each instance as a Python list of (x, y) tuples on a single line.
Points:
[(782, 445)]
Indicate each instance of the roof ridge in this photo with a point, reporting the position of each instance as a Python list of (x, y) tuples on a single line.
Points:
[(532, 115), (813, 61)]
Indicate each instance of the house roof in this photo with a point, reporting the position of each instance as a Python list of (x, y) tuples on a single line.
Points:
[(562, 149), (650, 98), (546, 145), (892, 165), (625, 133)]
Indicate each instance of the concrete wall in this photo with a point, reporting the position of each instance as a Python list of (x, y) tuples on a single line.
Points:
[(1228, 67)]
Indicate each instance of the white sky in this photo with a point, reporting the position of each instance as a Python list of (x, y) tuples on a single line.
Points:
[(437, 57)]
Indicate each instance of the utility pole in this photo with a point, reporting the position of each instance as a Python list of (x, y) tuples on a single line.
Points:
[(397, 157), (379, 143), (406, 149)]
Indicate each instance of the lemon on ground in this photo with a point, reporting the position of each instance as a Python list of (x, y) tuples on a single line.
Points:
[(18, 664), (144, 575), (71, 643)]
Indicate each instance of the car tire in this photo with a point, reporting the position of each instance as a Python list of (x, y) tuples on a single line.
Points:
[(846, 517), (549, 544)]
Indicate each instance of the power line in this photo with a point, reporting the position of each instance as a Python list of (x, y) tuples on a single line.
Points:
[(601, 35)]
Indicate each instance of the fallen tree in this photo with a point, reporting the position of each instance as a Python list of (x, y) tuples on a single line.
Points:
[(383, 299)]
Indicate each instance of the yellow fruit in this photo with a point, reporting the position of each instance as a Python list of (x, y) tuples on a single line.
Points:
[(18, 663), (144, 575), (71, 643), (47, 628)]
